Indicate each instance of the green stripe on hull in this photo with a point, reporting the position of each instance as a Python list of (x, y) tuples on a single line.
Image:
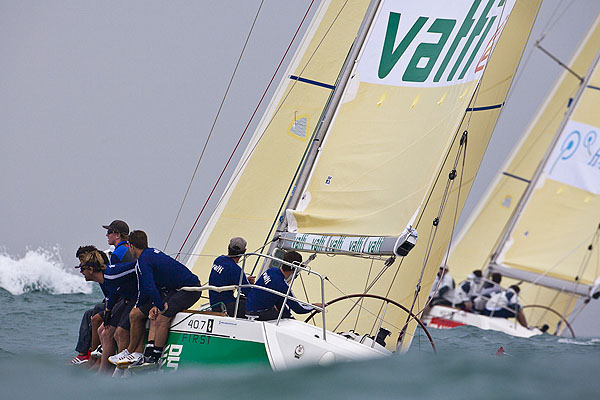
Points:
[(184, 349)]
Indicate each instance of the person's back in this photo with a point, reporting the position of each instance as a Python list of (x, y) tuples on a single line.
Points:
[(266, 305), (158, 270), (486, 291), (466, 291), (504, 304), (445, 292), (224, 272)]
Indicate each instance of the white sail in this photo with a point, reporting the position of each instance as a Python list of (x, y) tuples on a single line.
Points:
[(395, 137), (258, 189), (552, 240), (426, 73)]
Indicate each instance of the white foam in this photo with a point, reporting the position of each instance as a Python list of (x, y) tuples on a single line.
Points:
[(41, 270), (590, 342)]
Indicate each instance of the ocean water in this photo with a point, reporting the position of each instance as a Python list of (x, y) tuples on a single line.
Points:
[(43, 301)]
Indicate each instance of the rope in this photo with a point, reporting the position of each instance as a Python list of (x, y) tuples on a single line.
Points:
[(214, 123), (246, 128)]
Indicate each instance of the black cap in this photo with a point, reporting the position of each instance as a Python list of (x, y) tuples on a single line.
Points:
[(118, 226)]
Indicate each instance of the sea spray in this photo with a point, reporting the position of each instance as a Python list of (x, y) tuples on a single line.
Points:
[(40, 270)]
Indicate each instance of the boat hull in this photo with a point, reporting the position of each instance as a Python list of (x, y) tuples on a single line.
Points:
[(209, 339), (443, 317)]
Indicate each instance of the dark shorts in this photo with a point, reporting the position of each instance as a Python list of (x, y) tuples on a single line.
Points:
[(229, 308), (268, 315), (97, 309), (503, 313), (440, 301), (120, 314), (178, 300)]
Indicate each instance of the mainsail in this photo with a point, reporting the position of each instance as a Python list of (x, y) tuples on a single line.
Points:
[(428, 83), (550, 241)]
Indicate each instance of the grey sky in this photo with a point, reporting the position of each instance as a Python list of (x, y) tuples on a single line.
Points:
[(105, 106)]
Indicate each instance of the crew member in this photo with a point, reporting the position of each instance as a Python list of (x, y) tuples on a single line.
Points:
[(225, 271), (266, 305)]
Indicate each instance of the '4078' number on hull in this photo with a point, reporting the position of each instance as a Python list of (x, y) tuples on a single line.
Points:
[(201, 325)]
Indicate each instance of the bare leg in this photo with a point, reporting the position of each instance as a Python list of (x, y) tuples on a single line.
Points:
[(96, 322), (162, 330), (122, 338), (108, 347), (521, 318), (137, 321)]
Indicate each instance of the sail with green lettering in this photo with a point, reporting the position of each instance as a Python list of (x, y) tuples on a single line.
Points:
[(397, 112)]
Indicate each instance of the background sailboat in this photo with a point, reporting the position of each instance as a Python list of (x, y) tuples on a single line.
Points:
[(425, 83), (551, 244)]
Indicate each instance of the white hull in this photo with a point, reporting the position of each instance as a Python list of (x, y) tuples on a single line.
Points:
[(210, 339), (443, 317), (284, 339)]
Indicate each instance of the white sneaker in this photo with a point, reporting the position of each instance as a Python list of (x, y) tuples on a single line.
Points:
[(130, 359), (117, 357), (97, 353)]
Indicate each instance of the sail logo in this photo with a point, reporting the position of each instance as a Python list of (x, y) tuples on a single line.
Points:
[(576, 158), (410, 47)]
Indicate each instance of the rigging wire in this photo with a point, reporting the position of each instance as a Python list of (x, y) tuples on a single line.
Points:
[(449, 182), (550, 24), (275, 113), (547, 28), (300, 74), (247, 126), (214, 123)]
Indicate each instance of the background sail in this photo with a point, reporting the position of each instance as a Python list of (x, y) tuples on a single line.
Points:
[(389, 151), (553, 234), (258, 188)]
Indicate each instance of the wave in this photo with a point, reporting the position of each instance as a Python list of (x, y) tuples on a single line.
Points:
[(589, 342), (40, 270)]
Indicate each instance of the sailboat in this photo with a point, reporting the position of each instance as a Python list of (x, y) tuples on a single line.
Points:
[(362, 149), (538, 223)]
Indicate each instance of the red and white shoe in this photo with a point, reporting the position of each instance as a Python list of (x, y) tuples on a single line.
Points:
[(80, 359)]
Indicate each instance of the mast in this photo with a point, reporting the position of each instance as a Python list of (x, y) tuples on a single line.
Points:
[(330, 111), (510, 226)]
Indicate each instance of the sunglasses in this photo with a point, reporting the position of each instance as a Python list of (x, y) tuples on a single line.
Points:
[(111, 231)]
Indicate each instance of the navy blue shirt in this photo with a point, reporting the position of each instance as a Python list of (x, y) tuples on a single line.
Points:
[(120, 281), (121, 253), (261, 300), (225, 272), (156, 270)]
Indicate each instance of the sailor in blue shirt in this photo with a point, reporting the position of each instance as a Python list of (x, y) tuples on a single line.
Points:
[(116, 234), (267, 305), (224, 272), (156, 273), (119, 285)]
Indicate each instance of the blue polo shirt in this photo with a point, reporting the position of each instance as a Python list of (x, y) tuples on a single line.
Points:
[(225, 272), (261, 300), (120, 281), (156, 270), (121, 253)]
